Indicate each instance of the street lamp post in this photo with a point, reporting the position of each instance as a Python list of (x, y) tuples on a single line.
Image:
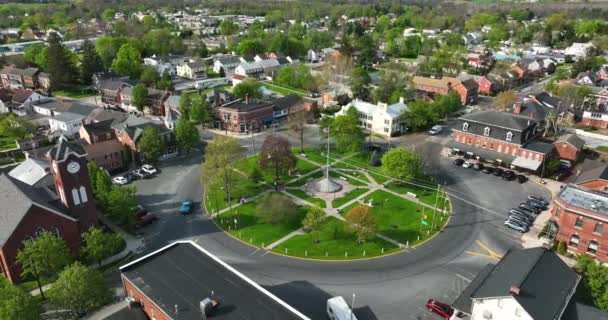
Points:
[(352, 307)]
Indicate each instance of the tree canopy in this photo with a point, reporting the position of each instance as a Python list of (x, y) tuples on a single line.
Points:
[(402, 163)]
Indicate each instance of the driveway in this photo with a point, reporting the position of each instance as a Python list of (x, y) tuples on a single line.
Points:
[(392, 287)]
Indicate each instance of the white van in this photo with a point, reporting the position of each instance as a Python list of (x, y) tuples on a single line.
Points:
[(435, 130), (338, 309)]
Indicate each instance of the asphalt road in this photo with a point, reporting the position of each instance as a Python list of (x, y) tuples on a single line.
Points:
[(392, 287)]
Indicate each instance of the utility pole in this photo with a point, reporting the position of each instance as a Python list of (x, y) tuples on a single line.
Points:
[(435, 207)]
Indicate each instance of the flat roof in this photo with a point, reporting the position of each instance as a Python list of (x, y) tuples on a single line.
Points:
[(183, 274)]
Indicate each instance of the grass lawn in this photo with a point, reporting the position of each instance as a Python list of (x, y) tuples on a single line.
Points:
[(283, 90), (247, 165), (379, 178), (428, 196), (602, 148), (302, 181), (7, 143), (339, 176), (349, 196), (218, 200), (398, 218), (253, 231), (75, 92), (334, 242), (304, 196)]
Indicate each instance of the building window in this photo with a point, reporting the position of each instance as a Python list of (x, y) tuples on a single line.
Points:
[(465, 127), (486, 131), (83, 194), (491, 146), (579, 222), (509, 136), (469, 141), (599, 228), (573, 241), (592, 248), (75, 197)]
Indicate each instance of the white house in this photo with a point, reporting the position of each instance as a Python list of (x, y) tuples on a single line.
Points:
[(312, 55), (67, 124), (250, 69), (226, 62), (382, 118), (578, 49), (193, 69)]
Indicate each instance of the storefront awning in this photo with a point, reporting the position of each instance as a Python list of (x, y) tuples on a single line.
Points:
[(484, 154), (526, 163)]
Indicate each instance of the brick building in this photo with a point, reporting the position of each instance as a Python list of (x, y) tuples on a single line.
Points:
[(242, 116), (594, 178), (154, 102), (580, 215), (99, 141), (501, 137), (569, 147), (597, 119), (468, 89), (67, 209), (17, 78), (130, 131), (170, 283)]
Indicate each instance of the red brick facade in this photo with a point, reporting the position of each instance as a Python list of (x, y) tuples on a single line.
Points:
[(36, 219), (582, 237), (566, 151), (148, 306), (499, 146), (595, 122), (237, 120), (597, 184), (485, 86)]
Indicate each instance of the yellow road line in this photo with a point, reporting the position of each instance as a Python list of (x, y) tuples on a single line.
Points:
[(481, 255), (493, 253)]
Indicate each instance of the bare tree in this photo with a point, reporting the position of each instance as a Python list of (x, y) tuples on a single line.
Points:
[(297, 123), (505, 99)]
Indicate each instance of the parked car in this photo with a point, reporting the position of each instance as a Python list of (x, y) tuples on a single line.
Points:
[(521, 178), (498, 172), (519, 220), (536, 204), (440, 309), (522, 212), (524, 217), (527, 207), (120, 180), (539, 199), (478, 166), (516, 226), (467, 164), (458, 162), (140, 174), (435, 130), (487, 170), (186, 207), (508, 175), (145, 220), (149, 169)]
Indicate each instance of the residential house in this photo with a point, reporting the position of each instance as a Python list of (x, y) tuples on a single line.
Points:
[(312, 56), (192, 69), (580, 214), (487, 84), (32, 33), (44, 81), (242, 116), (270, 67), (171, 112), (218, 97), (381, 118), (129, 132), (67, 209), (569, 147), (153, 104), (253, 70), (55, 106), (530, 284), (20, 103), (227, 63), (597, 118), (501, 137), (587, 78), (595, 177), (17, 78), (100, 143), (578, 49), (109, 88), (67, 124), (163, 65), (467, 89), (602, 74), (286, 105), (5, 100)]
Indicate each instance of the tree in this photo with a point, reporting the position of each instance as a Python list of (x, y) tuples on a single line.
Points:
[(275, 208), (248, 89), (32, 53), (256, 174), (107, 47), (184, 105), (402, 163), (16, 303), (297, 123), (108, 14), (102, 187), (346, 132), (595, 280), (165, 82), (150, 145), (250, 47), (99, 245), (148, 76), (186, 134), (43, 256), (60, 66), (314, 218), (127, 61), (505, 99), (15, 127), (366, 47), (362, 222), (276, 153), (199, 112), (121, 205), (228, 28), (80, 290), (139, 95), (220, 155), (90, 63), (359, 82)]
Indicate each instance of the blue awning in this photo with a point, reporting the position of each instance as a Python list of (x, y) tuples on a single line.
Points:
[(267, 118)]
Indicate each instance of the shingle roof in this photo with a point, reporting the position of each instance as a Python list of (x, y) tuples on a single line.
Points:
[(591, 172), (579, 311), (287, 101), (68, 117), (499, 119), (30, 171), (16, 199), (228, 59), (542, 147), (64, 148), (572, 139), (21, 95)]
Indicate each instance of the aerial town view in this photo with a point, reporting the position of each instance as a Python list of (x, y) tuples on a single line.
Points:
[(304, 159)]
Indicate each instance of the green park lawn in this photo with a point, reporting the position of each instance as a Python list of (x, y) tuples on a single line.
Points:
[(398, 218), (246, 165), (7, 143), (334, 242), (283, 90), (343, 176), (426, 195), (302, 181), (348, 197), (304, 196), (216, 198), (250, 229), (75, 92)]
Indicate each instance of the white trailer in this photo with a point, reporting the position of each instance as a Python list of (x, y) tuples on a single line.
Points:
[(338, 309)]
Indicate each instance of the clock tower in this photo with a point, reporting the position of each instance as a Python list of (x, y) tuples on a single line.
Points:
[(68, 166)]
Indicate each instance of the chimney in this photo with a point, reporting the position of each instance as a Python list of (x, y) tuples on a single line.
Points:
[(517, 107), (514, 290)]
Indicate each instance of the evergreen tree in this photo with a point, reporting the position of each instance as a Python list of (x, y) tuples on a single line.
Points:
[(90, 63), (60, 66)]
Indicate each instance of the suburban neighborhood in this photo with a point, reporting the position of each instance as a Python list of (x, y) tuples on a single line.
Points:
[(334, 160)]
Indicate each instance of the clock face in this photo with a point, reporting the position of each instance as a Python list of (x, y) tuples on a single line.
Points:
[(73, 167)]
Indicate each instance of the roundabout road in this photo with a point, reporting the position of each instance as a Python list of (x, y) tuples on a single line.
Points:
[(391, 287)]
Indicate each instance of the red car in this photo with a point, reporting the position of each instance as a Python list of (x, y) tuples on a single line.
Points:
[(441, 309)]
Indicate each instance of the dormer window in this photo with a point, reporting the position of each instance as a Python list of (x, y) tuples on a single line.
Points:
[(486, 131), (465, 126), (509, 136)]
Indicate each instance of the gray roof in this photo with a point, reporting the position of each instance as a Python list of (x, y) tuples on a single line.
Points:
[(172, 101), (61, 105), (499, 119), (287, 101), (591, 170), (542, 147), (585, 198), (546, 284), (102, 115), (572, 139), (30, 171), (523, 129), (64, 148), (228, 59), (16, 199), (579, 311), (68, 117)]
